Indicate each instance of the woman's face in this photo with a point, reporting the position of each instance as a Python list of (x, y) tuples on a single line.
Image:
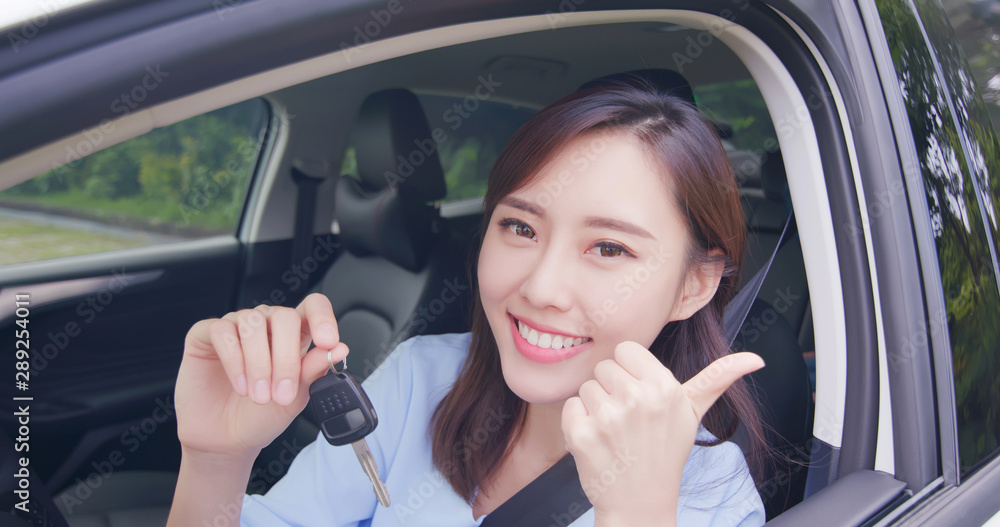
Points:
[(592, 253)]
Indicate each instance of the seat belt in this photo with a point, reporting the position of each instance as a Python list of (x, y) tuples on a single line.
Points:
[(556, 497), (305, 215)]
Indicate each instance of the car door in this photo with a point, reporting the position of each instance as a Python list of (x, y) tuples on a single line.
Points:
[(110, 254), (99, 294), (942, 374)]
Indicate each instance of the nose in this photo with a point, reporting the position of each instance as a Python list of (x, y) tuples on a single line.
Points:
[(548, 284)]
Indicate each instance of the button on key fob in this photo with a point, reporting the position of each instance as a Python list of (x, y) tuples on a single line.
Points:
[(345, 416)]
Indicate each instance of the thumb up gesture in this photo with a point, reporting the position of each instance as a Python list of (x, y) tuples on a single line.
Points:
[(636, 419)]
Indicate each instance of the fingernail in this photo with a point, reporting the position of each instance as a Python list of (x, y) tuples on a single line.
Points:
[(261, 392), (241, 385), (285, 392), (325, 333)]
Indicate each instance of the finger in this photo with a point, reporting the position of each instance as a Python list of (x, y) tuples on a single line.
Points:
[(709, 384), (320, 324), (198, 342), (619, 383), (638, 361), (573, 415), (315, 365), (226, 342), (593, 396), (252, 327), (286, 360)]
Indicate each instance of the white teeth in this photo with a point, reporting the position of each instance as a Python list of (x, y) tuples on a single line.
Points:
[(547, 340)]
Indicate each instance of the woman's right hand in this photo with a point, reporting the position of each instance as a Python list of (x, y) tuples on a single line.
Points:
[(245, 377)]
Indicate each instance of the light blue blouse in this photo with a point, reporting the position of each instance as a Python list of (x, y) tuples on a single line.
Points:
[(325, 485)]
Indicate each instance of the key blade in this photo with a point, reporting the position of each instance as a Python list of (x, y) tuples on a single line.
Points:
[(371, 469)]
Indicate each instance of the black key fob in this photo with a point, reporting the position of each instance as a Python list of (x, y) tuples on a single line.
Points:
[(342, 408)]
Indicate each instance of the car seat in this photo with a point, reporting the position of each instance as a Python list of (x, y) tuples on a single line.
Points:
[(402, 273)]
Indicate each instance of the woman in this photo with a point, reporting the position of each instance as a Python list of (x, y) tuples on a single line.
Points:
[(612, 236)]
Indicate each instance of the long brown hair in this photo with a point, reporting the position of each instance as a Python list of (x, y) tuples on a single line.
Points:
[(476, 423)]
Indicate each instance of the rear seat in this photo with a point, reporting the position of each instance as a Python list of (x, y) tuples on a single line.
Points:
[(785, 287)]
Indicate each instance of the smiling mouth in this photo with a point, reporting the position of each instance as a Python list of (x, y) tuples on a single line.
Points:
[(553, 341)]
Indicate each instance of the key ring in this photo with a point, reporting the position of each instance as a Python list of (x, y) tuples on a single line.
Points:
[(333, 367)]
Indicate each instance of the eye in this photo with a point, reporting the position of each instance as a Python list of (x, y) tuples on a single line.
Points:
[(612, 250), (518, 227)]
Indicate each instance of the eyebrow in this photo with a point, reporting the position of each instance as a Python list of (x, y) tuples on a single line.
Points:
[(520, 204), (590, 221), (618, 225)]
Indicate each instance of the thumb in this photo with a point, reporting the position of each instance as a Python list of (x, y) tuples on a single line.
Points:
[(710, 383), (316, 363)]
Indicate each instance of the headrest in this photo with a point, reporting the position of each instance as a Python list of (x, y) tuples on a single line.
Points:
[(383, 224), (395, 146), (388, 212)]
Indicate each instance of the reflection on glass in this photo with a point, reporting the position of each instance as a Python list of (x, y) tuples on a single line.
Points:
[(956, 187), (978, 34), (182, 181)]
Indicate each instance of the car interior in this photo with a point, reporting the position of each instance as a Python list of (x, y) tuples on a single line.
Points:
[(401, 258)]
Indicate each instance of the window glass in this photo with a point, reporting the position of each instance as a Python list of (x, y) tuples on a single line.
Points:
[(977, 31), (977, 24), (738, 109), (183, 181), (958, 157), (474, 136)]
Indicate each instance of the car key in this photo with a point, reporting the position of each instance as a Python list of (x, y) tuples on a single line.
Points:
[(346, 416)]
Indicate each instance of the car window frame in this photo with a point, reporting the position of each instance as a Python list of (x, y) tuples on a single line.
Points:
[(838, 286)]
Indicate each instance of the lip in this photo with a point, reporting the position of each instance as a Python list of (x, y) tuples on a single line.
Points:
[(542, 355)]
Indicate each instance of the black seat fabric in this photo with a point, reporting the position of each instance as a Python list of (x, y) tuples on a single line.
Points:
[(402, 273), (786, 288), (785, 394)]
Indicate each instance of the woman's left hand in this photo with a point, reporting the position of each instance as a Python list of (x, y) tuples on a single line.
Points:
[(632, 428)]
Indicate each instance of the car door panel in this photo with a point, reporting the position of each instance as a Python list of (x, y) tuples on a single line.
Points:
[(868, 492), (109, 332)]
